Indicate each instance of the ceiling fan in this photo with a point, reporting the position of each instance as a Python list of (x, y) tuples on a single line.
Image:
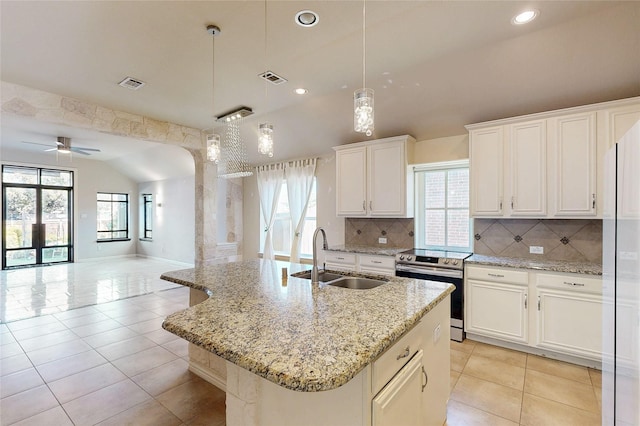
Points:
[(63, 145)]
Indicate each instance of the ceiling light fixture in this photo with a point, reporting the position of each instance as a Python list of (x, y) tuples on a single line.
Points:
[(213, 140), (525, 17), (64, 145), (233, 163), (363, 112), (307, 18), (301, 91), (265, 140)]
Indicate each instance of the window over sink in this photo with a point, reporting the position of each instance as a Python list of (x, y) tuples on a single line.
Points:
[(442, 219)]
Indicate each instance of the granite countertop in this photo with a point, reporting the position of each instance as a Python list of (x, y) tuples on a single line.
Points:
[(300, 336), (540, 265), (382, 251)]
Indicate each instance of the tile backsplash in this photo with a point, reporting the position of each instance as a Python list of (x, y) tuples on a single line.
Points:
[(365, 232), (561, 239)]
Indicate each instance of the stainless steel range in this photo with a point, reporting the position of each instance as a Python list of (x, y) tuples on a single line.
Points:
[(442, 266)]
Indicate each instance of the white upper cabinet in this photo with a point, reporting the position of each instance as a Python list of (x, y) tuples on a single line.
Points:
[(527, 172), (351, 181), (373, 178), (545, 165), (486, 148), (572, 165)]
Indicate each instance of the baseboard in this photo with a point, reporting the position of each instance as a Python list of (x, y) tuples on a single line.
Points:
[(208, 375), (590, 363)]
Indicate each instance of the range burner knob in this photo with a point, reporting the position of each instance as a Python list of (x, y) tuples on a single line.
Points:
[(401, 257), (455, 262), (409, 258), (446, 261)]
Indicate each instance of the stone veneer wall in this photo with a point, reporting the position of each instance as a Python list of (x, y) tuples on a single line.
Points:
[(53, 108), (562, 239), (365, 232)]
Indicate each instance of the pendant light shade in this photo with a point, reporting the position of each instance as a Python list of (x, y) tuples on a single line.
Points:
[(265, 141), (363, 111), (213, 148)]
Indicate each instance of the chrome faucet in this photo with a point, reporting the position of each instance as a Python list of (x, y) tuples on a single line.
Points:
[(314, 270)]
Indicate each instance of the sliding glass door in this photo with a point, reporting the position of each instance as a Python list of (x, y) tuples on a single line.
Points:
[(37, 210)]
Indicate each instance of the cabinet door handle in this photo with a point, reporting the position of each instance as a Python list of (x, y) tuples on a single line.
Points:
[(500, 203), (426, 378), (405, 354), (574, 284), (513, 201), (376, 261), (495, 275), (525, 301), (538, 302), (340, 258), (364, 205), (370, 205), (593, 203)]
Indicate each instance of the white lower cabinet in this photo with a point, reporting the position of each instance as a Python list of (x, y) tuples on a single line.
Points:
[(497, 310), (569, 315), (551, 312), (364, 263), (399, 402), (411, 380)]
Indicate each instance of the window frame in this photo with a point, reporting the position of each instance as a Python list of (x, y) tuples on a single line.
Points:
[(146, 227), (112, 203), (420, 208)]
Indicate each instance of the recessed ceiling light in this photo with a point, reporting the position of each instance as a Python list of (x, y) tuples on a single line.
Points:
[(301, 91), (525, 17), (307, 18)]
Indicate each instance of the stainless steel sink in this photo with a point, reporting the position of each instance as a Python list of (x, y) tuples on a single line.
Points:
[(323, 276), (357, 283)]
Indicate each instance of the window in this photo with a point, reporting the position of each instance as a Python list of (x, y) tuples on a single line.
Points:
[(146, 216), (113, 216), (282, 233), (442, 206)]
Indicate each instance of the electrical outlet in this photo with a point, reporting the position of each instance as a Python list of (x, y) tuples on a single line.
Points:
[(536, 250), (436, 334), (382, 240)]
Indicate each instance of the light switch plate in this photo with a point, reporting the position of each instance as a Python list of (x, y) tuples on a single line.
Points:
[(382, 240), (536, 250)]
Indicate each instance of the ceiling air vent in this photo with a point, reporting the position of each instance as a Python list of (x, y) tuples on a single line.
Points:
[(131, 83), (272, 77)]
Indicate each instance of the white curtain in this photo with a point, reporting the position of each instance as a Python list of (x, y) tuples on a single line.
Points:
[(270, 179), (299, 176)]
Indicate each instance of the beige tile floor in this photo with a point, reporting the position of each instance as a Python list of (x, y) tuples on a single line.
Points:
[(496, 386), (111, 363)]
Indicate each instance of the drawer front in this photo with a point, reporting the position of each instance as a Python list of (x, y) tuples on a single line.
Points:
[(570, 282), (512, 276), (390, 362), (340, 257), (380, 262)]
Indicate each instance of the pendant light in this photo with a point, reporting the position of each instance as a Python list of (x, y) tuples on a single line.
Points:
[(213, 140), (363, 112), (265, 138)]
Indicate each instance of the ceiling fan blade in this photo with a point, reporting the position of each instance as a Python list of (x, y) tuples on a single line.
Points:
[(36, 143), (85, 149), (50, 149), (79, 151)]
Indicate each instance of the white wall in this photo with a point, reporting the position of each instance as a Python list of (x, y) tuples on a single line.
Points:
[(442, 149), (173, 219), (90, 177)]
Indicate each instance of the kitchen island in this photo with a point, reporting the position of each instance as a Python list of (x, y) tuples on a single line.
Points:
[(289, 352)]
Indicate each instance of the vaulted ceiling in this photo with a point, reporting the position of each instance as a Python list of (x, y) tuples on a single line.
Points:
[(435, 65)]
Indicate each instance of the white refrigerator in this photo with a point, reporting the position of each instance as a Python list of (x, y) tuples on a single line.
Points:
[(621, 283)]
